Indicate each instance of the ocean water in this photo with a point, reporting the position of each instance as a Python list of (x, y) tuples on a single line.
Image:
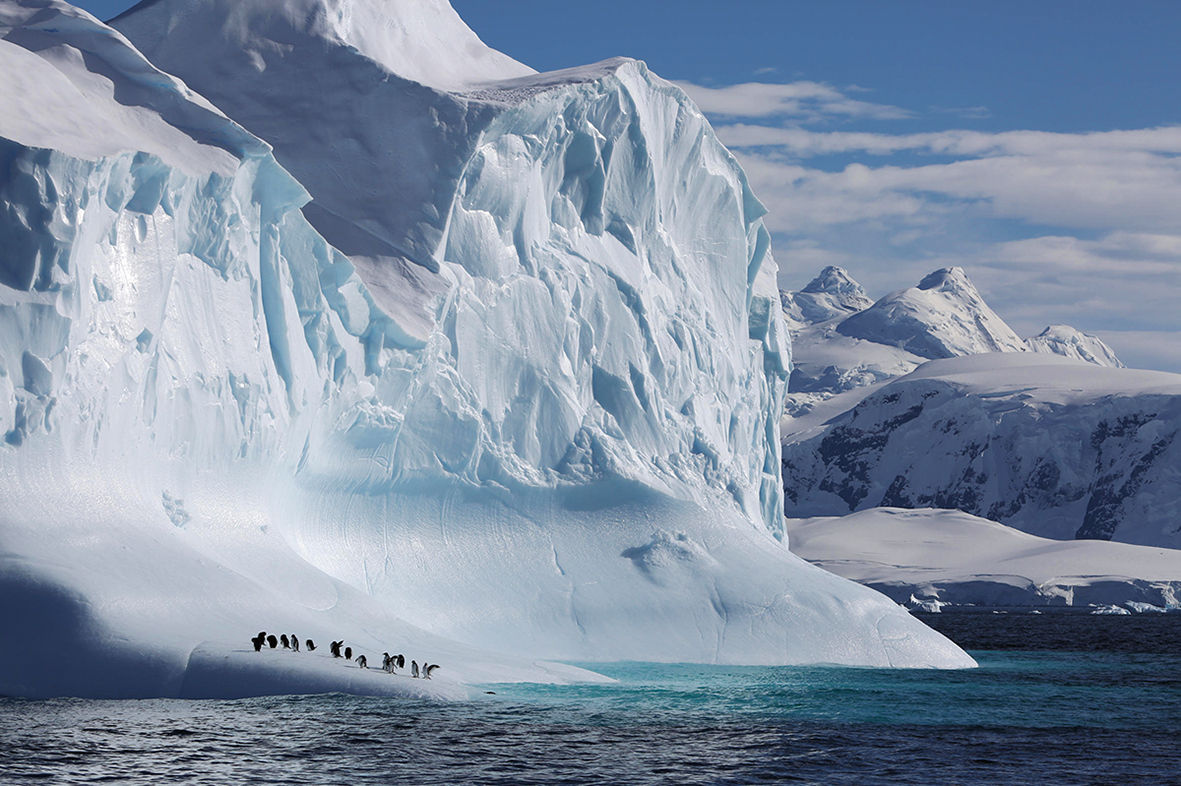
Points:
[(1064, 708)]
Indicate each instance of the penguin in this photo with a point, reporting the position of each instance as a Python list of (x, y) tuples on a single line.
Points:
[(283, 640), (362, 661), (311, 646), (294, 643), (426, 672), (258, 640), (334, 648), (271, 640), (401, 664), (348, 653), (414, 668), (385, 662)]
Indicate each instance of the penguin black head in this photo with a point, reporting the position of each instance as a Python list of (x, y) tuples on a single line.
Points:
[(271, 640)]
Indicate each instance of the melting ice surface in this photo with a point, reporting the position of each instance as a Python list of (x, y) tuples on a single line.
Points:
[(529, 412)]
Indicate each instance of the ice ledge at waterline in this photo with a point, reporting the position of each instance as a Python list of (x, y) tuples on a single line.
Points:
[(212, 425)]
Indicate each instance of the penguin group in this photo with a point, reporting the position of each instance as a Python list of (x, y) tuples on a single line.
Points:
[(289, 642), (389, 663)]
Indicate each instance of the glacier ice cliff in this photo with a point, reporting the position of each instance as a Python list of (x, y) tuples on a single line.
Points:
[(529, 403)]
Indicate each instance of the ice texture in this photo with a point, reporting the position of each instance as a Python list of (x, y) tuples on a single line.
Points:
[(1053, 446), (545, 425)]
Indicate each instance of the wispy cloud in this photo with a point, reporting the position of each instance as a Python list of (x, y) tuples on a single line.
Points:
[(803, 101), (1074, 228)]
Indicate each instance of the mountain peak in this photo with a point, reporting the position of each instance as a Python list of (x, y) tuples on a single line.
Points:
[(944, 316), (831, 294), (835, 281), (948, 279), (1069, 342)]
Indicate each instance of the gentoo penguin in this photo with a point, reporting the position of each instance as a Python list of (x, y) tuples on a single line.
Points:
[(294, 643), (426, 672), (413, 668), (272, 641), (334, 648), (401, 664), (258, 640), (311, 646), (348, 653), (283, 640), (385, 662), (362, 661)]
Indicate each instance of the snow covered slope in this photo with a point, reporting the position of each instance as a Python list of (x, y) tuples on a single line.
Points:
[(943, 317), (953, 557), (552, 434), (1070, 343), (1055, 447)]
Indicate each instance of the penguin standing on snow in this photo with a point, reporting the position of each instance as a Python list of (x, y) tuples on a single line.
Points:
[(271, 640), (283, 640), (401, 661), (348, 653), (385, 662), (294, 643), (259, 640), (311, 646), (334, 648), (362, 661), (414, 669), (426, 672)]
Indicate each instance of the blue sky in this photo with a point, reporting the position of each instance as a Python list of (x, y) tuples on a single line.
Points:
[(1037, 144)]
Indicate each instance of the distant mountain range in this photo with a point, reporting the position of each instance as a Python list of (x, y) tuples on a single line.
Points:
[(927, 399)]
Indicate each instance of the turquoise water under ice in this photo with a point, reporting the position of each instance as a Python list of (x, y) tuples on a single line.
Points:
[(1104, 714)]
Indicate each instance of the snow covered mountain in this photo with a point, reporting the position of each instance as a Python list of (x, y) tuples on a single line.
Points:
[(1055, 447), (949, 557), (1070, 343), (841, 340), (831, 294), (943, 317), (530, 403)]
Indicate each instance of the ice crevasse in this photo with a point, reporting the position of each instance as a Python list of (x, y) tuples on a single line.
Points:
[(526, 408)]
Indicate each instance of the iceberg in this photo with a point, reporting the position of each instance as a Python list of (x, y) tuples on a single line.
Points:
[(525, 408)]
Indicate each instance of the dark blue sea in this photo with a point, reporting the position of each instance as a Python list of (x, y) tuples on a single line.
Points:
[(1058, 699)]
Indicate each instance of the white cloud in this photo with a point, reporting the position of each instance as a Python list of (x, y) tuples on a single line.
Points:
[(1081, 229), (1145, 349), (800, 100)]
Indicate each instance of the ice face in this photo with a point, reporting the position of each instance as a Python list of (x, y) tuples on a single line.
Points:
[(553, 434)]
